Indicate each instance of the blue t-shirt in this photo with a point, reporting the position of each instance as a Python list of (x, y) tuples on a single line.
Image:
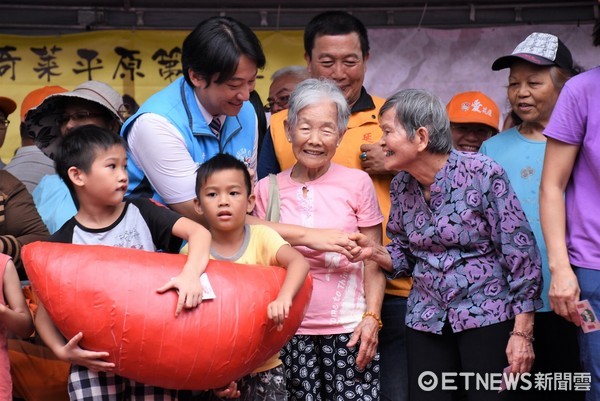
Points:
[(523, 160), (54, 202)]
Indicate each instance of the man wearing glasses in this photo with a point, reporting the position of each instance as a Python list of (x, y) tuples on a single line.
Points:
[(92, 102), (283, 82), (203, 113)]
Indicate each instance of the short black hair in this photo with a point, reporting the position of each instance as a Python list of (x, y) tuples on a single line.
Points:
[(334, 23), (220, 162), (80, 148), (215, 47)]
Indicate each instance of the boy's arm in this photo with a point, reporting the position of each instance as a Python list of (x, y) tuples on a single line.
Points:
[(68, 351), (297, 270), (374, 281), (319, 239), (186, 209), (187, 282)]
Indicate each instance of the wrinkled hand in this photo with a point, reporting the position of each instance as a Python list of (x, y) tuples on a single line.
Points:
[(278, 311), (229, 391), (188, 287), (564, 292), (92, 360), (374, 163), (363, 249), (519, 352), (329, 240), (367, 333)]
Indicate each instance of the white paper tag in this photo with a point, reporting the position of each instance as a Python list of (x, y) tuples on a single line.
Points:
[(207, 290)]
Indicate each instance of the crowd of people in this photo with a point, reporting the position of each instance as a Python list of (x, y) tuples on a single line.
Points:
[(439, 239)]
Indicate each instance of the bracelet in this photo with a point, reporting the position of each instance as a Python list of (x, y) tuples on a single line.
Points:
[(374, 316), (528, 337)]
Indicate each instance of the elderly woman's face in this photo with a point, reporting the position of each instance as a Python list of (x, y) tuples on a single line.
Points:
[(316, 135), (531, 92), (398, 149)]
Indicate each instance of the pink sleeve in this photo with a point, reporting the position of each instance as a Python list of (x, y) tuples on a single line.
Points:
[(368, 212)]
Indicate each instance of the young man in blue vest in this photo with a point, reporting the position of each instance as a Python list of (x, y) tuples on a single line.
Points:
[(203, 113)]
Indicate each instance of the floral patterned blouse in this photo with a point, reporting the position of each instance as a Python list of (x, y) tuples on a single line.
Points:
[(471, 252)]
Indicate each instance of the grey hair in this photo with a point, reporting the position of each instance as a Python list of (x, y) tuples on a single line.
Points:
[(416, 108), (312, 91), (296, 71)]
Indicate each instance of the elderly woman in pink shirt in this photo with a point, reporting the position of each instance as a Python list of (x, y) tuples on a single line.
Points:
[(321, 360)]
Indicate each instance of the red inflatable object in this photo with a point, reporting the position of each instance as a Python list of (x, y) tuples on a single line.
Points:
[(110, 295)]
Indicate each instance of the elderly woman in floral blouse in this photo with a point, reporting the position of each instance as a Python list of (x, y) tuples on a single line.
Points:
[(458, 228)]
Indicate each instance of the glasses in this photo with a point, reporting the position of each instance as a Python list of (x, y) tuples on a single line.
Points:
[(280, 101), (479, 131), (4, 123), (76, 117)]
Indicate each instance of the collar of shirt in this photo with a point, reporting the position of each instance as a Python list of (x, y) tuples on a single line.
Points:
[(364, 102), (207, 116), (364, 112)]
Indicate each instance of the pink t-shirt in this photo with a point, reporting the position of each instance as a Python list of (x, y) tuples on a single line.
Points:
[(344, 199), (5, 381)]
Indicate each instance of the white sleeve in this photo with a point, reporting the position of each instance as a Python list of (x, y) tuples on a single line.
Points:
[(159, 150)]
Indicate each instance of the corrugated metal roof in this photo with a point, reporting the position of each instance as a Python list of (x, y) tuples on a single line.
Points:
[(39, 17)]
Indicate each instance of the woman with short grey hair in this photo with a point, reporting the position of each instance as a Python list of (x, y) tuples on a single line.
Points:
[(325, 359), (458, 229), (313, 91), (417, 108)]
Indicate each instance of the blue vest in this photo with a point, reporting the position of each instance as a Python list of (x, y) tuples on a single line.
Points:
[(177, 104)]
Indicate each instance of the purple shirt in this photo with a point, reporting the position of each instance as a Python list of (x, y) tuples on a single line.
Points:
[(576, 121), (471, 252)]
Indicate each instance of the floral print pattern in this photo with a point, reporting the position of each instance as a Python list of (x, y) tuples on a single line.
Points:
[(471, 251)]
